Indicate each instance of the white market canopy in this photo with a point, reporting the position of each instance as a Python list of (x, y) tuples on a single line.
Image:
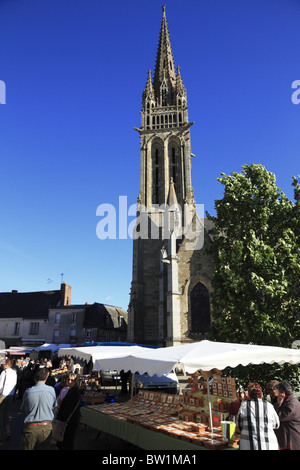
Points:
[(17, 350), (204, 355), (100, 352)]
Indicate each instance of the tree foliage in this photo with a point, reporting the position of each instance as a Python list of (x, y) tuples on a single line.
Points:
[(256, 290), (256, 253)]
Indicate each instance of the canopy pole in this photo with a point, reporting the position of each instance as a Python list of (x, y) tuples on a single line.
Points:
[(209, 404), (116, 386), (132, 385)]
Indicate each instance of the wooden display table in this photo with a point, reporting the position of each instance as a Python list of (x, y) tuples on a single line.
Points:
[(151, 426)]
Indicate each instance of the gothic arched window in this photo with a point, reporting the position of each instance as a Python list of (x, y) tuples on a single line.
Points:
[(175, 167), (200, 309), (157, 173)]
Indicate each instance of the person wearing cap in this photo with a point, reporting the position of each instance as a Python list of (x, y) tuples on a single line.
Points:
[(257, 420), (38, 404)]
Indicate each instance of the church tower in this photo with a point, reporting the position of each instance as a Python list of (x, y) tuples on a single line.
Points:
[(168, 270), (165, 130)]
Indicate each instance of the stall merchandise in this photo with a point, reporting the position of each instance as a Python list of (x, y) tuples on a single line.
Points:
[(196, 405), (178, 416), (91, 390), (59, 373)]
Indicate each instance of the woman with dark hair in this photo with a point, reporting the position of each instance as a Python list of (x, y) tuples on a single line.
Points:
[(69, 411), (288, 410), (257, 420)]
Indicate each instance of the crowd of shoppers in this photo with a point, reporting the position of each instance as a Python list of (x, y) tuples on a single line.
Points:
[(270, 425), (41, 397)]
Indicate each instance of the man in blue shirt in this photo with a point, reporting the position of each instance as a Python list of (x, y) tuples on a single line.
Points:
[(37, 404)]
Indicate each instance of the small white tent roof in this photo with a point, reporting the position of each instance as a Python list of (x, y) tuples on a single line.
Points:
[(100, 352)]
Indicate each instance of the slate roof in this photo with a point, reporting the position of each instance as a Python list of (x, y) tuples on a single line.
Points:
[(28, 304), (104, 316)]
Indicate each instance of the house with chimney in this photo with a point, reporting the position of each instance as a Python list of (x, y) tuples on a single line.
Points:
[(34, 318)]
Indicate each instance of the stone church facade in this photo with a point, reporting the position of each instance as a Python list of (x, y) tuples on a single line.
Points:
[(170, 289)]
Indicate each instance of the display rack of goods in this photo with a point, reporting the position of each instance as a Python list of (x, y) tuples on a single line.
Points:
[(224, 386), (202, 418)]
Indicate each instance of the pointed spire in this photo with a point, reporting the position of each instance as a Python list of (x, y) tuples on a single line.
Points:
[(165, 90), (165, 67), (174, 212), (149, 85), (179, 82), (172, 198), (148, 94)]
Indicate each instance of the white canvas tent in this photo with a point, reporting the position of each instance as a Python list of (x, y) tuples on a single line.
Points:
[(97, 353), (17, 351), (204, 355)]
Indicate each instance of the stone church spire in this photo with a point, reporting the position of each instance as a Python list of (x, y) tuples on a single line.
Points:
[(164, 269), (164, 74), (164, 103)]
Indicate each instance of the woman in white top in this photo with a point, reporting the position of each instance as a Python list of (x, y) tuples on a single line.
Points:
[(8, 382)]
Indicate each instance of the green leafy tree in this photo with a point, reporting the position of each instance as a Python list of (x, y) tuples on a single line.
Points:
[(256, 290), (256, 254)]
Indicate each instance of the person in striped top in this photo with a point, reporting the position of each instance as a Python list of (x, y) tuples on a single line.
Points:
[(257, 420)]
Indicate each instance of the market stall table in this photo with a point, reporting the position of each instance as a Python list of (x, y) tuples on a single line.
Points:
[(142, 438), (152, 425), (205, 356)]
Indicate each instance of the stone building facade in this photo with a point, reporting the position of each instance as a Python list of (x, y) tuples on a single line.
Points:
[(34, 318), (75, 324), (170, 290), (24, 315)]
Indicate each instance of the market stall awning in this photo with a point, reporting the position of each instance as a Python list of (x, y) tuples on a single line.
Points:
[(17, 351), (96, 353), (51, 347), (204, 355)]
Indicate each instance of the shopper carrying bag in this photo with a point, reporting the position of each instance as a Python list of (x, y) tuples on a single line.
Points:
[(68, 416)]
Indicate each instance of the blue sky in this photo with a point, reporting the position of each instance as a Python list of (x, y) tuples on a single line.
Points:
[(74, 72)]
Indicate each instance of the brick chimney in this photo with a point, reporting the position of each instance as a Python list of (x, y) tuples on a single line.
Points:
[(65, 290)]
